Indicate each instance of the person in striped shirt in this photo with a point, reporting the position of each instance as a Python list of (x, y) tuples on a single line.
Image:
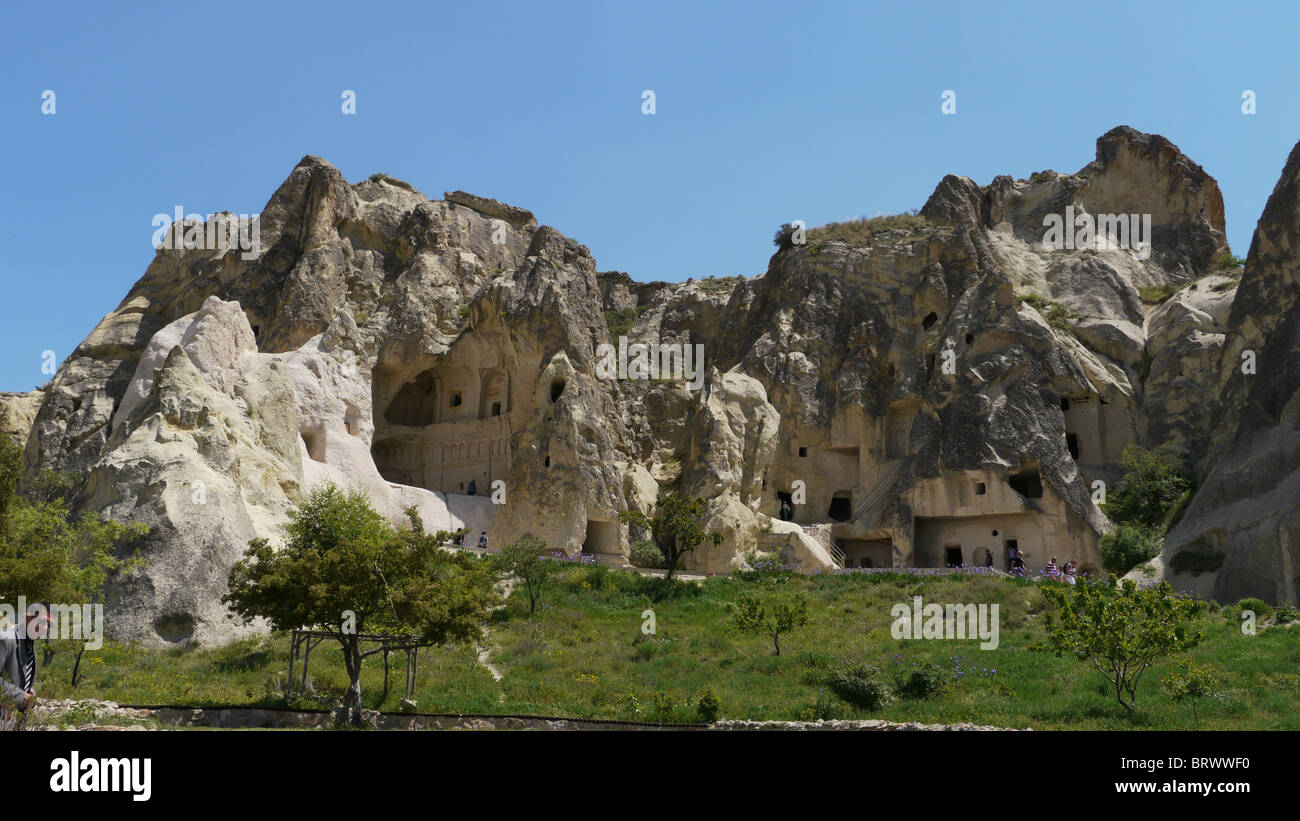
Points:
[(1051, 568)]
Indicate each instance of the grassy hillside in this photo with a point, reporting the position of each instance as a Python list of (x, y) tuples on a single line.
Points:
[(584, 654)]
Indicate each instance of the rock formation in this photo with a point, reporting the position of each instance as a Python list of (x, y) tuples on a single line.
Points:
[(920, 389)]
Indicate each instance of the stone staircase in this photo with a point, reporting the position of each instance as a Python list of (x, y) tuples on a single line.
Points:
[(869, 508)]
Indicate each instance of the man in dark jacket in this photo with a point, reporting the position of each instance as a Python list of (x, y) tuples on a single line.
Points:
[(18, 658)]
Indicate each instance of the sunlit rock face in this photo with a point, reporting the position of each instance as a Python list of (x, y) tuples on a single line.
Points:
[(916, 390), (1241, 535)]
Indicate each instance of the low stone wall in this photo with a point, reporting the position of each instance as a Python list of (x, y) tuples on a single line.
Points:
[(108, 715), (869, 724)]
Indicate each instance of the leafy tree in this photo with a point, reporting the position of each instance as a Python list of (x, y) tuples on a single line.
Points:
[(49, 555), (11, 471), (1126, 547), (524, 561), (784, 236), (345, 569), (1155, 481), (775, 617), (54, 485), (1120, 628), (676, 529), (1188, 682)]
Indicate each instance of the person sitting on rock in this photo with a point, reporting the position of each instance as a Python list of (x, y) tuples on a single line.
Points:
[(1052, 572), (482, 540)]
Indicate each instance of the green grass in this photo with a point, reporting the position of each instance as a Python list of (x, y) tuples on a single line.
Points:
[(1227, 265), (1230, 261), (717, 285), (1056, 314), (1156, 294), (864, 232), (583, 654), (620, 322), (253, 672)]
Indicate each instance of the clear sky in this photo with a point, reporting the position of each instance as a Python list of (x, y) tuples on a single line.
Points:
[(765, 112)]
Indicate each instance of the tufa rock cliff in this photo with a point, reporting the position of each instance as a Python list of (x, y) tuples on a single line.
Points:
[(920, 389)]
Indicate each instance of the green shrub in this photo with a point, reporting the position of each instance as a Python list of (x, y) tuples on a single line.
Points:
[(784, 236), (824, 708), (621, 321), (658, 588), (1056, 314), (1286, 613), (707, 706), (645, 553), (1126, 547), (664, 707), (1230, 261), (1262, 609), (921, 682), (860, 685), (1155, 294)]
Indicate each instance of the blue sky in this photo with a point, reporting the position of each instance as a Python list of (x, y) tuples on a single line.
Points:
[(765, 112)]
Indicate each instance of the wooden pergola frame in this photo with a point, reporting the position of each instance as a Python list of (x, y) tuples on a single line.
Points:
[(303, 641)]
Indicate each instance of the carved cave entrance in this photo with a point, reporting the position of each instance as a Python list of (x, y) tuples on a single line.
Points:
[(444, 429), (601, 538)]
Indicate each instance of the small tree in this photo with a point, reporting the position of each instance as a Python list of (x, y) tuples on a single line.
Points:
[(49, 555), (1189, 682), (676, 529), (1154, 482), (346, 569), (1121, 628), (775, 617), (523, 560), (11, 471), (52, 557)]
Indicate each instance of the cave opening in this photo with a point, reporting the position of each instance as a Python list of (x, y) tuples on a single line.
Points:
[(1027, 483), (841, 506), (416, 403)]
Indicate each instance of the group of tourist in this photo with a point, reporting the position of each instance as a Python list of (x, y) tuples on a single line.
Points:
[(1068, 574), (1016, 565)]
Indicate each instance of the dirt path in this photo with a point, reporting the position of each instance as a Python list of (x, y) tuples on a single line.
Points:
[(505, 587)]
